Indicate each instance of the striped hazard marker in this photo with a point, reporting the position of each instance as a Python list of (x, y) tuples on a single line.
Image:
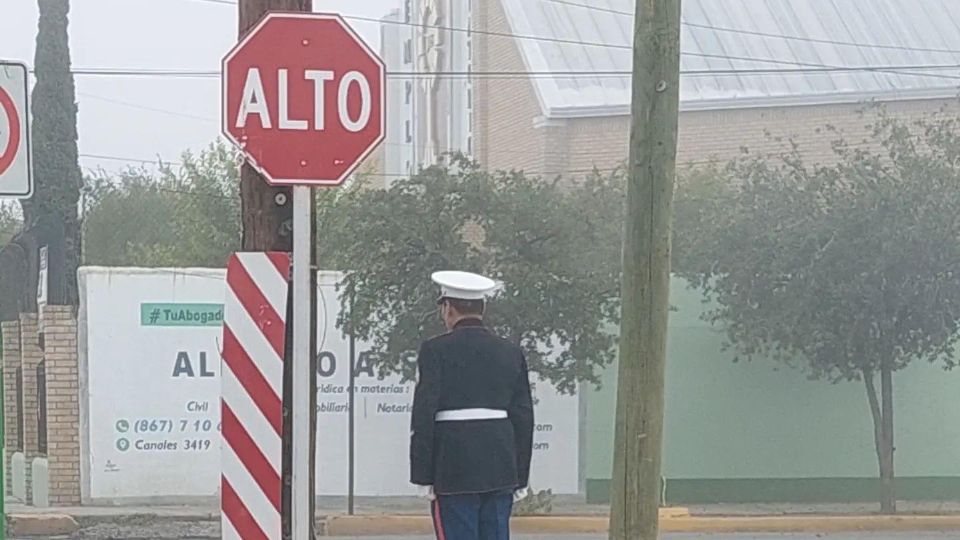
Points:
[(251, 404)]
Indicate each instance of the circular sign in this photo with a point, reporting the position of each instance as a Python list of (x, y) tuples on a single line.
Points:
[(13, 128)]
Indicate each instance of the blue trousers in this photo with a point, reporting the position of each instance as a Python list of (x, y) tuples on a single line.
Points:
[(481, 516)]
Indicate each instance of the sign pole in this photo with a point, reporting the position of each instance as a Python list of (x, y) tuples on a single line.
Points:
[(3, 452), (16, 181), (303, 300), (352, 419), (282, 84)]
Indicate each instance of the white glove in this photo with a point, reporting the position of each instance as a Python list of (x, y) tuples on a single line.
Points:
[(426, 492), (521, 494)]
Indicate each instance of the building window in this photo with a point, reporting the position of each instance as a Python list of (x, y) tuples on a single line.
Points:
[(469, 145), (409, 136), (407, 53), (408, 10), (407, 92)]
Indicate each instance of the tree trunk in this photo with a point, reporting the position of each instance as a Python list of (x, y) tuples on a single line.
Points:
[(882, 411), (635, 485), (888, 497)]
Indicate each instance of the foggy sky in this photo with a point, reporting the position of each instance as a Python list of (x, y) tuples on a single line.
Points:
[(150, 34)]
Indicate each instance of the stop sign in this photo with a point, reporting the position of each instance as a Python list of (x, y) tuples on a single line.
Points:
[(303, 98)]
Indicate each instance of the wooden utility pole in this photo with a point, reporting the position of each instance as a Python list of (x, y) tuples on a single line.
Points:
[(635, 487), (267, 219), (267, 212)]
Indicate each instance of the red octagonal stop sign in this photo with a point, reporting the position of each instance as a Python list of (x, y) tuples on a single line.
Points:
[(303, 98)]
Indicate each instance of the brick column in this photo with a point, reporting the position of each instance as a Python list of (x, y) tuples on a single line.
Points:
[(31, 355), (10, 332), (63, 404)]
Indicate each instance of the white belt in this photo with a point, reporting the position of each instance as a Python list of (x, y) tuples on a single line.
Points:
[(461, 415)]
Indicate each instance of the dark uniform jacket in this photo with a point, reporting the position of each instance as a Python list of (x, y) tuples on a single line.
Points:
[(471, 368)]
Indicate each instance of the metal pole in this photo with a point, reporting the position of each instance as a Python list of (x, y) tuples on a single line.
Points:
[(3, 442), (352, 425), (302, 308)]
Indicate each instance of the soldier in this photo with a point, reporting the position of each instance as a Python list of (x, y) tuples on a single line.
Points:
[(472, 426)]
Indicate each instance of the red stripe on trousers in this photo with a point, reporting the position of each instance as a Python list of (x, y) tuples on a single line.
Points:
[(437, 521)]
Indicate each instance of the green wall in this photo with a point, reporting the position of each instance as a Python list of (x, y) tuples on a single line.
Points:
[(761, 431)]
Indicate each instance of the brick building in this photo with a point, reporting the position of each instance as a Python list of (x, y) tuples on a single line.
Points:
[(549, 89)]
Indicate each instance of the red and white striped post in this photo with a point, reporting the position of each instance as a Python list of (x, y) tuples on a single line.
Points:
[(281, 70), (254, 331)]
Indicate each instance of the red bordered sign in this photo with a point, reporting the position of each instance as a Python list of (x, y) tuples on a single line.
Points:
[(16, 178)]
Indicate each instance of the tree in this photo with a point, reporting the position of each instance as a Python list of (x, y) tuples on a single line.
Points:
[(50, 217), (12, 260), (553, 248), (849, 270), (178, 217), (9, 223)]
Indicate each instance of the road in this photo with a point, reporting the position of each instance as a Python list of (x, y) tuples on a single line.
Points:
[(174, 532), (837, 536)]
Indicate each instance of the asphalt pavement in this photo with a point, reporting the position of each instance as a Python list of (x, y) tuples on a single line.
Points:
[(191, 535), (838, 536)]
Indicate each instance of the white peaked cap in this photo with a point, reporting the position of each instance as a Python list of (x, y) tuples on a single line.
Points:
[(463, 285)]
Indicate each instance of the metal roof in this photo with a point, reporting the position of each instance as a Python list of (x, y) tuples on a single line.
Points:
[(810, 51)]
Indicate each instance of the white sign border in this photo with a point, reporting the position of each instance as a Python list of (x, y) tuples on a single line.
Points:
[(7, 64), (225, 128)]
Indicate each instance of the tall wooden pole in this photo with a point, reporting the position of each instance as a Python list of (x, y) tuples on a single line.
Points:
[(635, 486), (267, 219), (267, 212)]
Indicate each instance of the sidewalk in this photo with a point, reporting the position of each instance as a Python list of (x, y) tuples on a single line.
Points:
[(388, 516)]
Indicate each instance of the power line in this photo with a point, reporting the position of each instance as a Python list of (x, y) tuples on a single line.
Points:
[(146, 107), (155, 161), (455, 29), (806, 67), (591, 8), (887, 69), (822, 40), (767, 34), (160, 161), (131, 72), (629, 14)]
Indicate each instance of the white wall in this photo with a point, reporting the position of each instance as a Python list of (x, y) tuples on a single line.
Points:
[(150, 396)]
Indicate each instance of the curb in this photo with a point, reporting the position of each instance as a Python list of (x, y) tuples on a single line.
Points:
[(811, 524), (144, 518), (548, 525), (671, 520), (386, 525), (41, 525), (423, 525)]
